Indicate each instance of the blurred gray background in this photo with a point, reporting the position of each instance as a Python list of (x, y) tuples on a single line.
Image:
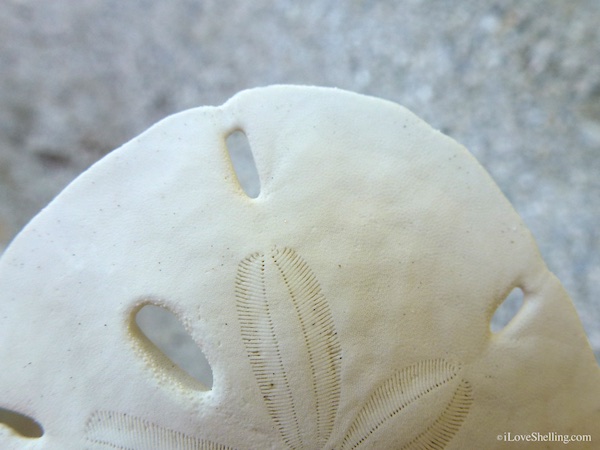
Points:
[(517, 82)]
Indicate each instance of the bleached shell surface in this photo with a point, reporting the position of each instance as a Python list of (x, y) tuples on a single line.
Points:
[(347, 306)]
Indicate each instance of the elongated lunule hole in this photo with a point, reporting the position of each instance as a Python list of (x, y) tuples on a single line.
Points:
[(22, 424), (170, 337), (507, 310), (243, 163)]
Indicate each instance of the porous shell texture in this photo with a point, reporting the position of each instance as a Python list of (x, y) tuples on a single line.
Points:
[(347, 306)]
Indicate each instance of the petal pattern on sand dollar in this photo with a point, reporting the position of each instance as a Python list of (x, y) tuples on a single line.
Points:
[(119, 431), (261, 279), (406, 387)]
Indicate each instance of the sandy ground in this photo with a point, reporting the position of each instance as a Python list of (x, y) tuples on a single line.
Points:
[(517, 82)]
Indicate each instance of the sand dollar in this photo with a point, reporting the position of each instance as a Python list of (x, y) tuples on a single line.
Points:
[(347, 305)]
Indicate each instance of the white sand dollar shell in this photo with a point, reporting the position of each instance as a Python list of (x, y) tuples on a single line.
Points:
[(347, 306)]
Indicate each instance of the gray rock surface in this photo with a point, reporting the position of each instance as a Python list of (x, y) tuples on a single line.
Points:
[(517, 82)]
